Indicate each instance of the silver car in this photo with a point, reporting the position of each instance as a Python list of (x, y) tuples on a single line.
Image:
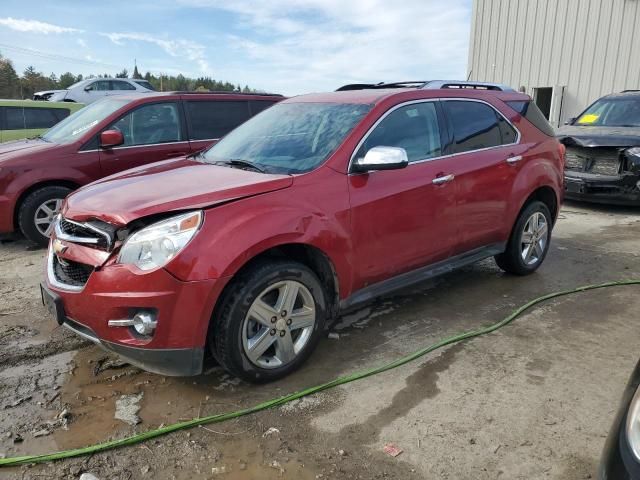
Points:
[(92, 89)]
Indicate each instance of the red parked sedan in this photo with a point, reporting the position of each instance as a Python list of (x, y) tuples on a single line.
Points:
[(319, 203), (106, 137)]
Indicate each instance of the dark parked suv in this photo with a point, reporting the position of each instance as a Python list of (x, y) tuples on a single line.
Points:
[(603, 151), (317, 204), (106, 137)]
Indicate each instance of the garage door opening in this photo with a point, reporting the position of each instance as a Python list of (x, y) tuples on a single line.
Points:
[(542, 97)]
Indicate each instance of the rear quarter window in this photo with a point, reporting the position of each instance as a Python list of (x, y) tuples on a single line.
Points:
[(532, 113), (210, 120)]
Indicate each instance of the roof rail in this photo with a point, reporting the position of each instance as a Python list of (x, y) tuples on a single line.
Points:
[(630, 91), (436, 84), (224, 92), (429, 84), (368, 86)]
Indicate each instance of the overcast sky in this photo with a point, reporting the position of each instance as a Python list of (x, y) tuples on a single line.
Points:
[(284, 46)]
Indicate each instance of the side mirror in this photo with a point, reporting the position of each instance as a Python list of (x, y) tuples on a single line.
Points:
[(571, 121), (111, 138), (382, 158), (88, 88)]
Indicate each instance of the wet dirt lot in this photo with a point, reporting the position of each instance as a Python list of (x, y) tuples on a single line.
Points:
[(533, 400)]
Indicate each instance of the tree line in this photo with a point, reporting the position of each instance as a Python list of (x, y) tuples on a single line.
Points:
[(23, 86)]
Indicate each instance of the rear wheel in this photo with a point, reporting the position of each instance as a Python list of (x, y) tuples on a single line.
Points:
[(269, 321), (529, 242), (38, 211)]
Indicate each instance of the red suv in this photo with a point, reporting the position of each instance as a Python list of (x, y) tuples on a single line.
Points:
[(104, 138), (319, 203)]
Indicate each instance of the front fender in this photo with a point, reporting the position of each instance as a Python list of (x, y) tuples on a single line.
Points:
[(235, 233)]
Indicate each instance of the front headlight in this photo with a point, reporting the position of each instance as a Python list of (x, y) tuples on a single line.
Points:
[(154, 246), (633, 425)]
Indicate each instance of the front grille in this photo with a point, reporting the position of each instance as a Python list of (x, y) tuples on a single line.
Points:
[(71, 273), (75, 232), (601, 161)]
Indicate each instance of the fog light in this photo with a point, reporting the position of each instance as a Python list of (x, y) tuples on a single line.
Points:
[(144, 323)]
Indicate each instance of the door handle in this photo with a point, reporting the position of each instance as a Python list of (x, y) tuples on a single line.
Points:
[(443, 179), (514, 160)]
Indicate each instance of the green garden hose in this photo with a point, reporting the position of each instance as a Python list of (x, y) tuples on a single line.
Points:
[(141, 437)]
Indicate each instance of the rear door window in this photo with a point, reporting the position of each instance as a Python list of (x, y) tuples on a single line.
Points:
[(210, 120), (412, 127), (42, 117), (476, 126), (150, 124), (121, 85)]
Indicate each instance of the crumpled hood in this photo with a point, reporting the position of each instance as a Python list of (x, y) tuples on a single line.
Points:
[(172, 185), (572, 135), (21, 148)]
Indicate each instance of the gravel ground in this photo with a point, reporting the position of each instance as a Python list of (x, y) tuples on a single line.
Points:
[(534, 400)]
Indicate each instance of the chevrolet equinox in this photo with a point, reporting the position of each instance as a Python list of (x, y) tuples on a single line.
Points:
[(319, 203)]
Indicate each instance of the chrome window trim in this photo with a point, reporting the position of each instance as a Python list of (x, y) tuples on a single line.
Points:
[(133, 146), (149, 145), (52, 277), (426, 100)]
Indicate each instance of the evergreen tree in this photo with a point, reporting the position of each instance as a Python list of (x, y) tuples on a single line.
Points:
[(9, 81), (14, 86), (66, 80)]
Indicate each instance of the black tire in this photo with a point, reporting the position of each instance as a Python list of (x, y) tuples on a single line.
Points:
[(225, 336), (28, 209), (511, 260)]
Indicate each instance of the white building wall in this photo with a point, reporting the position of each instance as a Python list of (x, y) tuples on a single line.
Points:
[(591, 47)]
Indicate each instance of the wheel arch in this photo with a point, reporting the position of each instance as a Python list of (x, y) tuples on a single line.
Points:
[(37, 186), (310, 256), (546, 195)]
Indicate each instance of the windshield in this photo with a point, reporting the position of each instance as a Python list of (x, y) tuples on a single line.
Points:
[(77, 84), (74, 126), (612, 112), (289, 137)]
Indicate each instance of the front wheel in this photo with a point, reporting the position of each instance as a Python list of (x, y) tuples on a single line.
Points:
[(38, 211), (529, 242), (270, 320)]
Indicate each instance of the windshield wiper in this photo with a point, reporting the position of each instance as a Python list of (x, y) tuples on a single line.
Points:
[(238, 162), (38, 137)]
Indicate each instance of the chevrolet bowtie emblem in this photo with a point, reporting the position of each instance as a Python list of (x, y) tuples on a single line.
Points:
[(59, 247)]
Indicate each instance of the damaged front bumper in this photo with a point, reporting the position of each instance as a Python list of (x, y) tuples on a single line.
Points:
[(592, 187)]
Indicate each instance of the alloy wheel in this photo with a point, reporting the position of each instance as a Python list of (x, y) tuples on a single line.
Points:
[(534, 239), (45, 216), (279, 324)]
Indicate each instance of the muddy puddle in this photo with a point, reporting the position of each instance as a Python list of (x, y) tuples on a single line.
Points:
[(236, 449)]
